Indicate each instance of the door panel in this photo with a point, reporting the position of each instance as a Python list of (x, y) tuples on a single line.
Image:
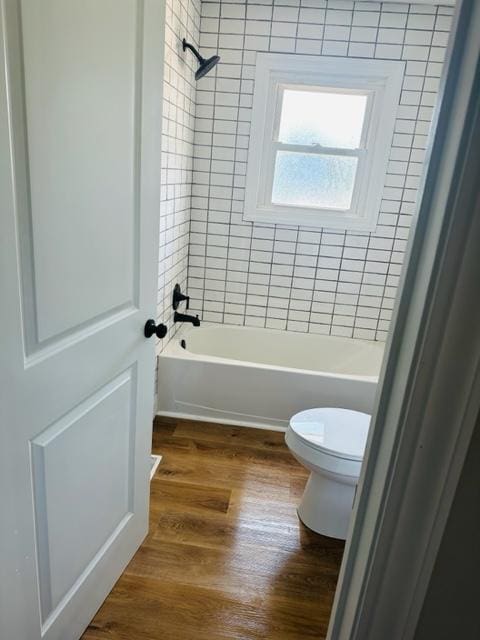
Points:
[(65, 521), (80, 93), (80, 114)]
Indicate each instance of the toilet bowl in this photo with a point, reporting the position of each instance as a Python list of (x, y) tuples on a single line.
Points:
[(330, 442)]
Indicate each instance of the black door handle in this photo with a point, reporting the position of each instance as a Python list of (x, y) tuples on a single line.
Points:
[(151, 328)]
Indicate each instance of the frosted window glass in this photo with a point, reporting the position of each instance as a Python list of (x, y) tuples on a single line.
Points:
[(329, 119), (314, 180)]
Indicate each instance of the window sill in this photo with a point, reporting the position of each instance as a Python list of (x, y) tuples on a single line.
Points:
[(316, 219)]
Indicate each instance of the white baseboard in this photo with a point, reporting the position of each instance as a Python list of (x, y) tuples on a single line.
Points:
[(227, 421), (154, 462)]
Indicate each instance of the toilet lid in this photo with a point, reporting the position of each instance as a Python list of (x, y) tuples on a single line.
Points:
[(339, 432)]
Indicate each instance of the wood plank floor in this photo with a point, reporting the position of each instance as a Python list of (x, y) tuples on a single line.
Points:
[(226, 557)]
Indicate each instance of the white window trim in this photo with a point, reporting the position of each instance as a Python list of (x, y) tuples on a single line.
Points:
[(382, 79)]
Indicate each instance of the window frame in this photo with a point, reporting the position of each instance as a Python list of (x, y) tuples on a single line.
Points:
[(271, 151), (380, 80)]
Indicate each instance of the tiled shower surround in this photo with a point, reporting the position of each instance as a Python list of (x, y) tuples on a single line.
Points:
[(283, 277), (182, 20)]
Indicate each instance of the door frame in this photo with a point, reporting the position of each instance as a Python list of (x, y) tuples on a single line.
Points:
[(430, 380)]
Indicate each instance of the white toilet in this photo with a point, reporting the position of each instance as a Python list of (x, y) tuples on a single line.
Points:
[(330, 443)]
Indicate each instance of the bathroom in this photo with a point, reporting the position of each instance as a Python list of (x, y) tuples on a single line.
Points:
[(301, 283), (292, 317), (299, 165)]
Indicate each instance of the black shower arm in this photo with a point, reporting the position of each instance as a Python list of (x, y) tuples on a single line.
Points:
[(187, 45)]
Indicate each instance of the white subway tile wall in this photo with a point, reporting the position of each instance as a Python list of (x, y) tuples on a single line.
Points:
[(296, 278), (182, 21)]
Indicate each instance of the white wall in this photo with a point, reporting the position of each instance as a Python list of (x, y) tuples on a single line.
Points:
[(292, 277)]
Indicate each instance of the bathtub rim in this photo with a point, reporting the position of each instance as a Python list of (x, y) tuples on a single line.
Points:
[(174, 350)]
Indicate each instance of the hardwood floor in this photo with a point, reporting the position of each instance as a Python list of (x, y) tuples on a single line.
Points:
[(226, 557)]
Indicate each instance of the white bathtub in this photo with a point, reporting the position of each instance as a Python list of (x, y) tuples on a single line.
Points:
[(261, 377)]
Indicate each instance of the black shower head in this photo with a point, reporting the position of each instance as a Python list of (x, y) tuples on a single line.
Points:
[(205, 63), (205, 66)]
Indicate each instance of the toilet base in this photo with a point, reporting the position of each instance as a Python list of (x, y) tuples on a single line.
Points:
[(326, 506)]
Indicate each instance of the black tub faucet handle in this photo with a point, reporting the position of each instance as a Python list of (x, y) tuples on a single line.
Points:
[(179, 297)]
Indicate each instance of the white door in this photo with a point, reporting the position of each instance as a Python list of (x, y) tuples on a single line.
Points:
[(80, 117)]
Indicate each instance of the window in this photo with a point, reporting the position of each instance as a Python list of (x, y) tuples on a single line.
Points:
[(320, 140)]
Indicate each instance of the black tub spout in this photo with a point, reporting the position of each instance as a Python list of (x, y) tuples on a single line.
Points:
[(182, 317)]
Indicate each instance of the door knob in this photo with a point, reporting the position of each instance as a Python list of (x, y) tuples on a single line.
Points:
[(160, 330)]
